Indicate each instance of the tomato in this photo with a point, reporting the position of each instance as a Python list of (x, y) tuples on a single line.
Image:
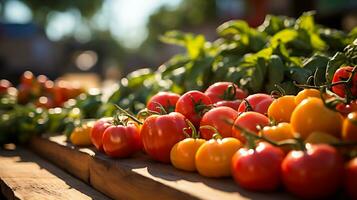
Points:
[(351, 178), (97, 131), (216, 118), (160, 133), (343, 74), (214, 157), (349, 127), (314, 173), (23, 94), (166, 99), (280, 110), (27, 78), (345, 109), (81, 135), (122, 140), (259, 103), (183, 153), (258, 169), (321, 138), (42, 79), (277, 133), (305, 93), (44, 102), (250, 121), (193, 105), (224, 91), (232, 104), (4, 85), (312, 115)]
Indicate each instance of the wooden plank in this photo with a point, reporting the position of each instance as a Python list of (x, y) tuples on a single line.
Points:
[(23, 175), (139, 177)]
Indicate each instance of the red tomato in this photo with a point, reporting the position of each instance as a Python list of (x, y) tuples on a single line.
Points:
[(345, 109), (27, 78), (351, 178), (259, 103), (224, 91), (250, 121), (122, 140), (166, 99), (160, 133), (216, 118), (41, 79), (96, 135), (258, 169), (315, 173), (44, 102), (193, 105), (343, 74), (4, 85), (23, 94), (232, 104)]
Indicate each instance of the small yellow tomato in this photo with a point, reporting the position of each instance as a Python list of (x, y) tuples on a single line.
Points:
[(304, 94), (214, 157), (321, 138), (312, 115), (81, 135), (277, 133), (349, 128), (280, 110), (183, 153)]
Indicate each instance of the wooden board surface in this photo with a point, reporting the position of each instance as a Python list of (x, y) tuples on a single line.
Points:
[(139, 177), (24, 175)]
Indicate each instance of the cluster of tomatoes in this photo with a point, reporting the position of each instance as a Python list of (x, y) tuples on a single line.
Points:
[(44, 92), (223, 132)]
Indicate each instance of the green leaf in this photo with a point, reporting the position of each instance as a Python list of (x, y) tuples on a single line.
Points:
[(306, 21), (336, 62), (283, 36), (233, 27)]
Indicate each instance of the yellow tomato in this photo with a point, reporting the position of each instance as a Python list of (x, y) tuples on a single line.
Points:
[(321, 138), (277, 133), (182, 155), (81, 135), (311, 115), (304, 94), (214, 157), (280, 110), (349, 128)]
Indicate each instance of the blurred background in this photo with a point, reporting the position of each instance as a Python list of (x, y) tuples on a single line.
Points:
[(106, 39)]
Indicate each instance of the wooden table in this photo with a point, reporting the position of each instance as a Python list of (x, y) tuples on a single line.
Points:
[(24, 175), (139, 177)]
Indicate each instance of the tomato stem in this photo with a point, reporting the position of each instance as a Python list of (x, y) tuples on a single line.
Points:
[(160, 107), (129, 115), (195, 134)]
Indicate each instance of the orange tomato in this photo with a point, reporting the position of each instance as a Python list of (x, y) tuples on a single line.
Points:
[(349, 127), (214, 157), (280, 110), (304, 94), (312, 115), (183, 153), (277, 133)]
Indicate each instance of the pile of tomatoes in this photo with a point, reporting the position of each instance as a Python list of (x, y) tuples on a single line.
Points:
[(45, 93), (264, 142)]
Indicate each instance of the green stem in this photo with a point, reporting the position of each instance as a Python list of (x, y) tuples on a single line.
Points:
[(128, 115)]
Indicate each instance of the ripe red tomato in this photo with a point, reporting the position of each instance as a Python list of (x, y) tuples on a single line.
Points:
[(122, 140), (216, 118), (160, 133), (313, 174), (345, 109), (250, 121), (193, 105), (343, 74), (232, 104), (23, 94), (166, 99), (4, 85), (259, 103), (258, 169), (351, 178), (227, 91), (27, 78), (96, 135)]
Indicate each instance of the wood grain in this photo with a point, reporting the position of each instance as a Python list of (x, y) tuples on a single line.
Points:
[(23, 175), (141, 178)]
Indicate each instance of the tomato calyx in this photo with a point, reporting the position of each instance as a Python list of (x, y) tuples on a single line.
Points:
[(199, 107), (229, 93)]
